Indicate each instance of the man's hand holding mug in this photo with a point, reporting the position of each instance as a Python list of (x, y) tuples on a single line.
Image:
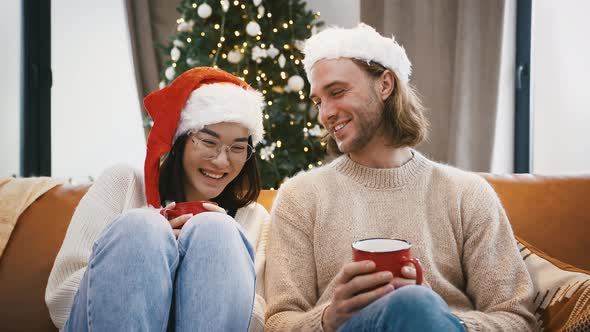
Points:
[(378, 267)]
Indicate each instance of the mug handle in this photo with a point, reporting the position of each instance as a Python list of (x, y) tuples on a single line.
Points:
[(416, 262)]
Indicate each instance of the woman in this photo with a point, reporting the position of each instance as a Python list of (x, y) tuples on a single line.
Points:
[(123, 266)]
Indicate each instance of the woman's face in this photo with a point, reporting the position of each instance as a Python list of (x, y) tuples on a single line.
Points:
[(206, 172)]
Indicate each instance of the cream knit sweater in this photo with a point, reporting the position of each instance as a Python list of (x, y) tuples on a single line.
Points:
[(118, 189), (453, 219)]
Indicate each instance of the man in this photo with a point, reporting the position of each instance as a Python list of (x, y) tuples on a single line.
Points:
[(381, 187)]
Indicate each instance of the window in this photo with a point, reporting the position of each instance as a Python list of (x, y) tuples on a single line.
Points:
[(559, 87)]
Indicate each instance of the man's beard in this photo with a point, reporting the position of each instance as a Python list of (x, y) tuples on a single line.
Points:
[(369, 125)]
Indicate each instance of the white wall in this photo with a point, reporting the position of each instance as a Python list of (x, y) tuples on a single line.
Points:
[(10, 81), (96, 120), (343, 13), (559, 90)]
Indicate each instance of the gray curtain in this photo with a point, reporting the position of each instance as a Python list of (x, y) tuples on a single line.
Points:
[(150, 22), (455, 47)]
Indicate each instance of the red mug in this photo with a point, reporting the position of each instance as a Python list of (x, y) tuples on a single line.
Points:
[(183, 208), (388, 254)]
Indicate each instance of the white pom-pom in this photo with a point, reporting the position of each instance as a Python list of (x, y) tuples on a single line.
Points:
[(300, 45), (272, 51), (224, 5), (363, 43), (175, 54), (204, 10), (261, 11), (234, 56), (253, 29), (282, 61), (162, 85), (178, 43), (316, 131), (183, 27), (296, 83), (266, 152), (191, 62), (258, 53), (256, 2), (169, 73)]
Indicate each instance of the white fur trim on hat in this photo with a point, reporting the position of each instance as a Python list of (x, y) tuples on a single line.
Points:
[(223, 102), (363, 43)]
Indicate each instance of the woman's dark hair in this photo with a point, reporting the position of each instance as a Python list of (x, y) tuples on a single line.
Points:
[(243, 190)]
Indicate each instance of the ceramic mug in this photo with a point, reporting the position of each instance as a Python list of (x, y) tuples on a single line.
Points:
[(183, 208), (388, 254)]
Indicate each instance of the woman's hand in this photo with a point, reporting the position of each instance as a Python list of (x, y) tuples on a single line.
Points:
[(214, 208), (179, 221)]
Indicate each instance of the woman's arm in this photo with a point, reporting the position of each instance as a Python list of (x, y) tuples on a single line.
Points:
[(256, 223), (117, 189)]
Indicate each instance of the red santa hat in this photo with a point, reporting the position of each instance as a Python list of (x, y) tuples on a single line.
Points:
[(199, 97)]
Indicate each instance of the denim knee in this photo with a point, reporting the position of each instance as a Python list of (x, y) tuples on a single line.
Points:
[(143, 229), (213, 223), (213, 230), (416, 301)]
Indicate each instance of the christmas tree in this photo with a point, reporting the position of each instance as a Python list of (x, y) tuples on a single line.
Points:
[(261, 42)]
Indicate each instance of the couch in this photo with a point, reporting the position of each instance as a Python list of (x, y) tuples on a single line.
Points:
[(548, 213)]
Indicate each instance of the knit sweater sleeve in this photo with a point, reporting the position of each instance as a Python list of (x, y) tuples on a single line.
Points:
[(117, 189), (497, 280), (262, 223), (291, 281)]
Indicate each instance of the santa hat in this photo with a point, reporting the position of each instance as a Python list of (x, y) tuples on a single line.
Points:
[(199, 97), (363, 43)]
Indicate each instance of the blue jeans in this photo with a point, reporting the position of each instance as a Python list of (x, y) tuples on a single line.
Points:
[(410, 308), (140, 278)]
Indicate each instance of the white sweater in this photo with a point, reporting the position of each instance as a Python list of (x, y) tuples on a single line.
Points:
[(118, 189)]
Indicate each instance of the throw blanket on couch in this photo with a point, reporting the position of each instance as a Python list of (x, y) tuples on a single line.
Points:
[(562, 292), (16, 194)]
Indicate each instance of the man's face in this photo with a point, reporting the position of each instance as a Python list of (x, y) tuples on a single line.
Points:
[(348, 105)]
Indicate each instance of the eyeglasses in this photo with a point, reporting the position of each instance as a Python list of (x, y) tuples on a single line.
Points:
[(210, 148)]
